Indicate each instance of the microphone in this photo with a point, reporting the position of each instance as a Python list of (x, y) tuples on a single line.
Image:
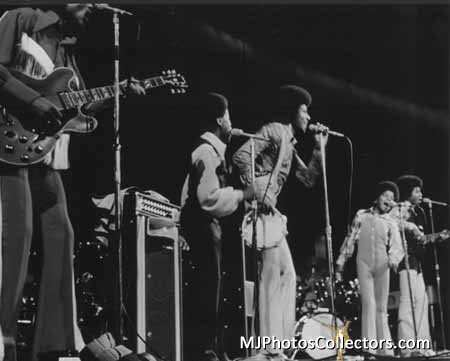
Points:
[(325, 130), (235, 132), (104, 6), (430, 201), (400, 204)]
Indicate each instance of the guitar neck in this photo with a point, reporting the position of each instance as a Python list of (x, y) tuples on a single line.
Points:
[(432, 236), (78, 98)]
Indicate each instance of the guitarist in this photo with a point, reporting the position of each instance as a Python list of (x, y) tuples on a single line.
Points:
[(414, 222), (35, 42)]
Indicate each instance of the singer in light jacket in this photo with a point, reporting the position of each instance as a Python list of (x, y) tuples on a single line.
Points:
[(274, 159), (379, 248)]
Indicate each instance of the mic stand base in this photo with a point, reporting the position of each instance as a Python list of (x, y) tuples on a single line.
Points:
[(438, 280)]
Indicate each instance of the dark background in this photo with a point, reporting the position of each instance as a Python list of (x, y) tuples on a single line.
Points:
[(378, 73)]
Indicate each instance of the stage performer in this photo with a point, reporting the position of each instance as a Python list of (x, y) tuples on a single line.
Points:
[(413, 221), (274, 159), (379, 249), (35, 42), (207, 200)]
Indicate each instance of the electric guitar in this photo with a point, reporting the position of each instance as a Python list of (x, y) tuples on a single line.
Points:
[(25, 141), (433, 237)]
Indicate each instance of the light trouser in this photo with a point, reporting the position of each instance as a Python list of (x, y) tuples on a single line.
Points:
[(35, 195), (420, 301), (374, 291), (277, 294)]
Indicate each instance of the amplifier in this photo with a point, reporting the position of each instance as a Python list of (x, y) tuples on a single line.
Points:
[(153, 205), (153, 275)]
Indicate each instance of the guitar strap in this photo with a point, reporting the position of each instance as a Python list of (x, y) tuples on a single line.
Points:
[(38, 55)]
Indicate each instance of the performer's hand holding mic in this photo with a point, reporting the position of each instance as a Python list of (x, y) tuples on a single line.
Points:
[(249, 193), (320, 128)]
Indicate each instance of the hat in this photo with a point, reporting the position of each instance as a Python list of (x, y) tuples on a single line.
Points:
[(387, 186), (406, 183)]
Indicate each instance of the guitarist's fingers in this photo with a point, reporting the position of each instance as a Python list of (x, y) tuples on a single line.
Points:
[(135, 86), (137, 89), (56, 116)]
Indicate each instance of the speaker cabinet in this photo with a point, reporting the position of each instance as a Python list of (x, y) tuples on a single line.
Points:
[(152, 285), (160, 324)]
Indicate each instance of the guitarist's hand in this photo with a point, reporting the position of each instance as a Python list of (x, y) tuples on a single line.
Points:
[(134, 87), (47, 113)]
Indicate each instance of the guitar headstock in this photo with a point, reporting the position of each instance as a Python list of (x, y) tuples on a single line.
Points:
[(436, 237), (445, 234), (177, 81)]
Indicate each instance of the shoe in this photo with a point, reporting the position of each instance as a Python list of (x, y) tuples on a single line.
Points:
[(55, 355), (223, 356), (429, 353), (209, 355), (278, 357)]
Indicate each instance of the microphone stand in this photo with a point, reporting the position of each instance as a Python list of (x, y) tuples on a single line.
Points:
[(408, 274), (118, 300), (328, 229), (254, 242), (438, 278)]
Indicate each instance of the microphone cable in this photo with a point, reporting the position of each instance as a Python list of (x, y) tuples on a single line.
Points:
[(136, 43), (350, 182)]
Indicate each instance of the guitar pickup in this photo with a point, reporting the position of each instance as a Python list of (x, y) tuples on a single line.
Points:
[(9, 148)]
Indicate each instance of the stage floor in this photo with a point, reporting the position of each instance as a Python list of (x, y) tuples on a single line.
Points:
[(441, 355)]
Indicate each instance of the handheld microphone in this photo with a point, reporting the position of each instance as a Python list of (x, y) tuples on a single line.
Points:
[(325, 130), (104, 6), (400, 204), (235, 132), (430, 201)]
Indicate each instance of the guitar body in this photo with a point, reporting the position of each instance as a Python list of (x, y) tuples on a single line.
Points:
[(23, 139)]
